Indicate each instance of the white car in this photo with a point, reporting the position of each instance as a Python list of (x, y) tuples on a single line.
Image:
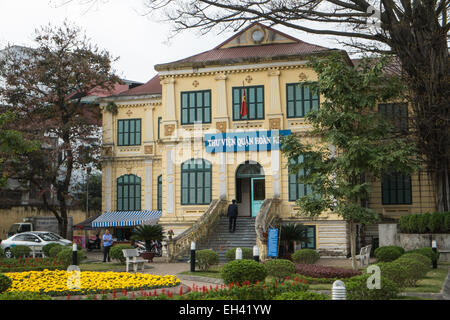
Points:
[(32, 239)]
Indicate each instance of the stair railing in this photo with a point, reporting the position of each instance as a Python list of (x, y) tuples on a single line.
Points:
[(198, 232), (270, 209)]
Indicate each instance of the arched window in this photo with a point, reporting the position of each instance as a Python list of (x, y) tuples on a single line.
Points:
[(129, 193), (159, 194), (196, 182)]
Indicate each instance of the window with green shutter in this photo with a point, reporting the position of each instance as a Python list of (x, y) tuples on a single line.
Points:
[(196, 182), (297, 189), (300, 100), (129, 132), (396, 189), (396, 114), (129, 193), (196, 107), (255, 102), (159, 193)]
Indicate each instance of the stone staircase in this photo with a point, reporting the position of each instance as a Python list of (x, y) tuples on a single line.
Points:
[(243, 237)]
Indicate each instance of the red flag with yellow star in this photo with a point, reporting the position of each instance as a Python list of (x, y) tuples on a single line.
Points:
[(244, 105)]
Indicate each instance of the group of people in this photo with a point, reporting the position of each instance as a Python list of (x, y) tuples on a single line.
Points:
[(108, 239)]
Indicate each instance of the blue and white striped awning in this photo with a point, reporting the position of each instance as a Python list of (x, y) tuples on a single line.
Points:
[(126, 218)]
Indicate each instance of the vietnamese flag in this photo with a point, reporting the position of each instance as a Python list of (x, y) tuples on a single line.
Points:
[(244, 105)]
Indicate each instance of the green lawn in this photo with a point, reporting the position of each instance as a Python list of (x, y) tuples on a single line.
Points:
[(214, 272), (100, 266)]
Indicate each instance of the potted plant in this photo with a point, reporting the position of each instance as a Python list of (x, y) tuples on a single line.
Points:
[(148, 233)]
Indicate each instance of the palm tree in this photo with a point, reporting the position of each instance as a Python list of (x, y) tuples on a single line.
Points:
[(291, 233), (148, 233)]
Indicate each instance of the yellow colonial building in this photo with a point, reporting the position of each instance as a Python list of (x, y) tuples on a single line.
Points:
[(180, 147)]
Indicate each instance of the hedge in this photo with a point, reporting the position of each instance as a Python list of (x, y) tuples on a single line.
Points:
[(206, 258), (280, 268), (437, 222), (243, 270), (117, 254), (305, 256), (317, 271), (357, 289), (230, 254)]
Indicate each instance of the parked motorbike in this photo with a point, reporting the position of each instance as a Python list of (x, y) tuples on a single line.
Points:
[(93, 244)]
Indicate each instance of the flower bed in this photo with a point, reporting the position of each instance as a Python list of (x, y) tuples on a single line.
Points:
[(29, 264), (317, 271), (55, 283)]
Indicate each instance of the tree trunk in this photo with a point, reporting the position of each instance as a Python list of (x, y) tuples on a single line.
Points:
[(353, 245)]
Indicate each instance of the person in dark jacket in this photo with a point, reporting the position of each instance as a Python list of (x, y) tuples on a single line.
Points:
[(232, 215)]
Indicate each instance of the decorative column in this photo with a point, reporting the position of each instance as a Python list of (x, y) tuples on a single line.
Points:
[(148, 205), (170, 179), (147, 129), (169, 109), (275, 114), (221, 111), (275, 123), (108, 185)]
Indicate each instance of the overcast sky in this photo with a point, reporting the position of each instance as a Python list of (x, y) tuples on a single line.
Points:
[(119, 27)]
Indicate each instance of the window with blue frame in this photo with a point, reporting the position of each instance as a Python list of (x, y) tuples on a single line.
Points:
[(255, 102), (196, 182), (396, 189), (129, 132), (129, 193), (196, 107), (297, 189), (300, 100)]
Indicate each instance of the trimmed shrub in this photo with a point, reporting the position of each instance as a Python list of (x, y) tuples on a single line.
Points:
[(5, 283), (24, 296), (316, 271), (280, 268), (420, 258), (357, 289), (243, 270), (305, 256), (117, 254), (301, 295), (46, 249), (206, 258), (247, 253), (414, 269), (396, 272), (65, 256), (20, 251), (388, 253), (54, 250), (427, 252)]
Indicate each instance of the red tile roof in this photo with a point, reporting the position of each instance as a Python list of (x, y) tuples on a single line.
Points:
[(151, 87), (246, 54)]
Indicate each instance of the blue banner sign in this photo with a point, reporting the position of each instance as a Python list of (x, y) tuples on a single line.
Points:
[(272, 243), (265, 140)]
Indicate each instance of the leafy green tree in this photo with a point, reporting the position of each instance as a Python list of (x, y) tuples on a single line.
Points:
[(12, 144), (44, 87), (356, 144)]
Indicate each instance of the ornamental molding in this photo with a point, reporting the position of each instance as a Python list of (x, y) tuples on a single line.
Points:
[(217, 71)]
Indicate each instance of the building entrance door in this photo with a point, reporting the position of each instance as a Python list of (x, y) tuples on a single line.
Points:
[(258, 194), (250, 188)]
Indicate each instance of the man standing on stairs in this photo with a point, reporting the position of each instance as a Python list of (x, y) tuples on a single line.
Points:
[(232, 215)]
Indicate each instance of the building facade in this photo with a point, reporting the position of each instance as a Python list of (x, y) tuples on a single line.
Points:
[(181, 141)]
